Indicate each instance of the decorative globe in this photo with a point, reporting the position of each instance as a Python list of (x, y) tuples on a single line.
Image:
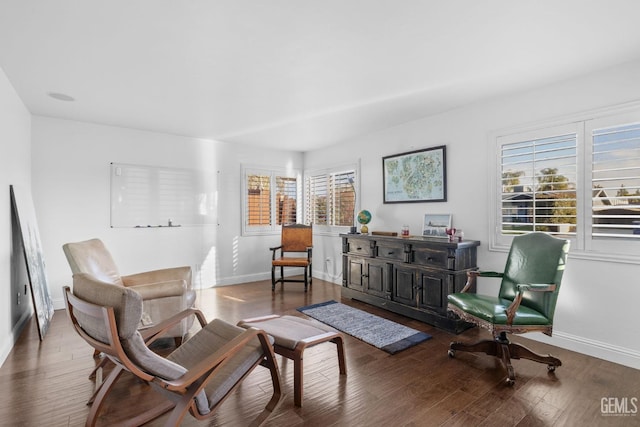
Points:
[(364, 217)]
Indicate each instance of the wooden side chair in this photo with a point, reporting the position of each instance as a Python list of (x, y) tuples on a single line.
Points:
[(526, 301), (195, 378), (296, 239)]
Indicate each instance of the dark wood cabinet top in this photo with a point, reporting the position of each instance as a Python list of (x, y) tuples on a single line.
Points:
[(415, 240)]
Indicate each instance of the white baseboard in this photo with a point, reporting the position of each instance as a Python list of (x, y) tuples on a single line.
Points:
[(15, 334), (236, 280), (601, 350), (612, 353)]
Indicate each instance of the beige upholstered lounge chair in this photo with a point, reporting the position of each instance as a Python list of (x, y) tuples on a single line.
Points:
[(164, 292), (196, 377)]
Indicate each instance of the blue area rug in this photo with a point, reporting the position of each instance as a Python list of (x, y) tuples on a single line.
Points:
[(382, 333)]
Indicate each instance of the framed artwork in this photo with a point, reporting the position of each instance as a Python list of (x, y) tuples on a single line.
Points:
[(435, 225), (25, 213), (415, 176)]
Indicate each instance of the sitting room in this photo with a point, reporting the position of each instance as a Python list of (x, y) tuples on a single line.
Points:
[(464, 174)]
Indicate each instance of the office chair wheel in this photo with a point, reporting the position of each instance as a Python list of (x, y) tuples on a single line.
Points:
[(451, 353), (551, 368), (510, 382)]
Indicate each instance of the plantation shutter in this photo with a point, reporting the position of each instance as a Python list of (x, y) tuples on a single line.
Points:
[(316, 200), (343, 198), (286, 200), (615, 178), (539, 185), (258, 206)]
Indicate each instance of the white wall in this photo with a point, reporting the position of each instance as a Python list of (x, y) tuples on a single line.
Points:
[(70, 165), (71, 192), (598, 301), (15, 169)]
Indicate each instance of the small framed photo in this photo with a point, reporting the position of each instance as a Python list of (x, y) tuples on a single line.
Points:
[(435, 225)]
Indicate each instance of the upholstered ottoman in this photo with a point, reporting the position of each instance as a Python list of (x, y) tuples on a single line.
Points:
[(292, 335)]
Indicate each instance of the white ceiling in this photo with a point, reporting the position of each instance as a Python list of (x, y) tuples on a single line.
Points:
[(297, 74)]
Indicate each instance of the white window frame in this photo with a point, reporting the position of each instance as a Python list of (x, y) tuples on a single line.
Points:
[(273, 228), (332, 230), (583, 245)]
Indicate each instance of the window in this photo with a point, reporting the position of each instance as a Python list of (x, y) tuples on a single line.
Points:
[(539, 185), (579, 180), (270, 199), (331, 198), (615, 178)]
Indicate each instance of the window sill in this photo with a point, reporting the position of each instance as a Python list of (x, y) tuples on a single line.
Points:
[(618, 258)]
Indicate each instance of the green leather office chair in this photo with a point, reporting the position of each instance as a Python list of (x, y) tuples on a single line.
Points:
[(526, 301)]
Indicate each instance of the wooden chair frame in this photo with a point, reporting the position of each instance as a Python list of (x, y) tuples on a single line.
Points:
[(295, 238), (180, 392)]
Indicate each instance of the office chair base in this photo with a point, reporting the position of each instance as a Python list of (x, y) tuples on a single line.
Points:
[(505, 350)]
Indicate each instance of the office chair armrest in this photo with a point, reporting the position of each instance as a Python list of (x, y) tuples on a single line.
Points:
[(522, 287), (472, 275), (536, 287)]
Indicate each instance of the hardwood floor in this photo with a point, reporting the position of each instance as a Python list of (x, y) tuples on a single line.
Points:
[(45, 383)]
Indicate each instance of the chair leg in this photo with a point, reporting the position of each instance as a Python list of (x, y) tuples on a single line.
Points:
[(98, 399), (342, 364), (298, 370), (305, 279), (518, 351), (501, 347), (273, 278)]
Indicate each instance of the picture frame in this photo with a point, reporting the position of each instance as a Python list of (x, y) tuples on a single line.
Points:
[(436, 225), (415, 176), (25, 214)]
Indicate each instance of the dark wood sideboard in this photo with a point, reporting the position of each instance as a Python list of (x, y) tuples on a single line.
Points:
[(411, 276)]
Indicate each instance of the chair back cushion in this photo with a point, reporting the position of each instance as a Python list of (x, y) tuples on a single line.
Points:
[(535, 258), (92, 257), (126, 303), (296, 237)]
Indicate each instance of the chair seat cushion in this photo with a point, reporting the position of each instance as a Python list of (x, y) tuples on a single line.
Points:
[(494, 309), (207, 341), (290, 262), (288, 331)]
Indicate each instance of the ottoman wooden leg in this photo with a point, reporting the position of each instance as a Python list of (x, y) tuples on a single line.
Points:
[(298, 369), (339, 342)]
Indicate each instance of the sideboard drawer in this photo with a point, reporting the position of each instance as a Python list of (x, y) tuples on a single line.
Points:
[(431, 257), (360, 247), (391, 252)]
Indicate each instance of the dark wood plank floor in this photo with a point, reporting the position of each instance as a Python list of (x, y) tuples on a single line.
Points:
[(45, 383)]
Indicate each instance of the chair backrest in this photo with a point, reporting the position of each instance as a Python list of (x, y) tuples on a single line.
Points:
[(92, 257), (89, 307), (296, 237), (535, 258)]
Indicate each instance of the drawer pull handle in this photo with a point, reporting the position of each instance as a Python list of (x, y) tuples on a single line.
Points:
[(358, 249), (390, 253)]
